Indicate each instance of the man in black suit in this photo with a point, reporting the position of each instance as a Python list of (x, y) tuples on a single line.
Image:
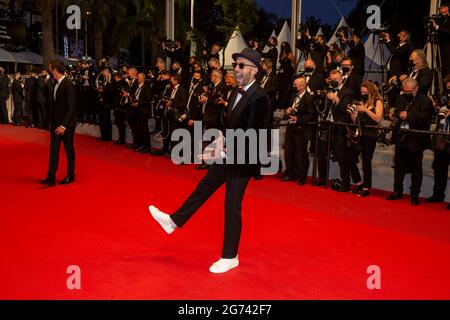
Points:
[(41, 100), (415, 111), (30, 100), (104, 94), (130, 88), (420, 71), (335, 111), (63, 121), (248, 109), (4, 94), (398, 62), (18, 97), (174, 107), (351, 79), (272, 53), (357, 52), (269, 82), (443, 27), (298, 133), (142, 106), (315, 81)]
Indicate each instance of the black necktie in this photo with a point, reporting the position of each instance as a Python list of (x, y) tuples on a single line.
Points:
[(241, 91)]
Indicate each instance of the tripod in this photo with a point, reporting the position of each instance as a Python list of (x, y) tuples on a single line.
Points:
[(380, 48), (436, 63)]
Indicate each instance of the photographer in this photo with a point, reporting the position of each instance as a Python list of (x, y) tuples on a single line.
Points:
[(272, 54), (18, 97), (141, 106), (420, 71), (316, 48), (441, 147), (269, 82), (104, 96), (314, 79), (442, 25), (161, 88), (368, 112), (351, 79), (298, 133), (334, 58), (4, 94), (354, 49), (174, 51), (414, 111), (119, 113), (334, 109)]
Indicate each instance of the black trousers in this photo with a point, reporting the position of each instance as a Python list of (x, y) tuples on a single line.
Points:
[(143, 130), (234, 193), (366, 150), (339, 145), (55, 143), (406, 161), (133, 122), (440, 167), (41, 108), (105, 122), (3, 110), (17, 114), (119, 119), (296, 153)]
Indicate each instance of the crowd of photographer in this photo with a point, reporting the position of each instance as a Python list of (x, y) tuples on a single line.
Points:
[(329, 109)]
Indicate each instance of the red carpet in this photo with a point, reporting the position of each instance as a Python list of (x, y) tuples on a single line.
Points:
[(297, 242)]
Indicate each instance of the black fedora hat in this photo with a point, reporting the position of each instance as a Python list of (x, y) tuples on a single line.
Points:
[(251, 55)]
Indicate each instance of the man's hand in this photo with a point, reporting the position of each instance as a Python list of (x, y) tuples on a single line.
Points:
[(293, 119), (202, 99), (191, 123), (393, 79), (333, 97), (403, 77), (60, 130), (403, 115), (214, 152)]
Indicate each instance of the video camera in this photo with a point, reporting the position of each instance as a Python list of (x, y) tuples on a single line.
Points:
[(168, 44)]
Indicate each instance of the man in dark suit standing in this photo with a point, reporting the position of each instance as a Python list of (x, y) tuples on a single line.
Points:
[(335, 111), (269, 82), (18, 97), (315, 81), (41, 100), (4, 94), (357, 52), (398, 62), (142, 107), (63, 121), (442, 26), (301, 111), (415, 111), (248, 109), (272, 53), (351, 79)]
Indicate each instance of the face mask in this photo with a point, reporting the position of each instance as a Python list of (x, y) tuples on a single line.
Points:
[(195, 81), (345, 70), (364, 97), (409, 97), (176, 70), (334, 84), (309, 70)]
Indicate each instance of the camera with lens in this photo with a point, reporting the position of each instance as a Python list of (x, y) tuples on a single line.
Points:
[(168, 44), (183, 117), (292, 111), (388, 87), (442, 113), (431, 31)]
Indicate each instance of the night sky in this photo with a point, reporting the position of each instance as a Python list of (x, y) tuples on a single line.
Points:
[(321, 9)]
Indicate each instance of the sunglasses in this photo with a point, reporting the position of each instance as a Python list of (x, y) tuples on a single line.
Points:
[(242, 65)]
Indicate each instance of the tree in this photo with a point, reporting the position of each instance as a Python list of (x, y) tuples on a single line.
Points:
[(242, 13)]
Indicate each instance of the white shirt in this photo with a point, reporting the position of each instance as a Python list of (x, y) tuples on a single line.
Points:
[(57, 86), (174, 92), (239, 95), (138, 91)]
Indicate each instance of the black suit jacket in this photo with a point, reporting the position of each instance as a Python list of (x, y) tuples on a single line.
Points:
[(195, 109), (420, 115), (41, 90), (63, 110), (358, 54), (424, 79), (399, 59), (307, 113), (213, 115), (251, 112), (316, 81), (339, 110), (180, 101), (354, 82), (30, 89), (272, 55), (17, 92), (4, 86), (145, 100), (271, 88)]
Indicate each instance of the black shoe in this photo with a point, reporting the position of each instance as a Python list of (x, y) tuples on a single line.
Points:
[(301, 182), (415, 200), (138, 149), (448, 207), (434, 199), (68, 180), (17, 124), (319, 183), (167, 154), (341, 188), (119, 142), (357, 189), (48, 182), (157, 153), (258, 177), (202, 167), (395, 196), (363, 193), (287, 178)]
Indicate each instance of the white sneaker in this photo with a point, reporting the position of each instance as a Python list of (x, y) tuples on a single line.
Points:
[(163, 219), (224, 265)]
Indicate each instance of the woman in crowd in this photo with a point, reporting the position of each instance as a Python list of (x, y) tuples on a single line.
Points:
[(369, 112), (285, 73)]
